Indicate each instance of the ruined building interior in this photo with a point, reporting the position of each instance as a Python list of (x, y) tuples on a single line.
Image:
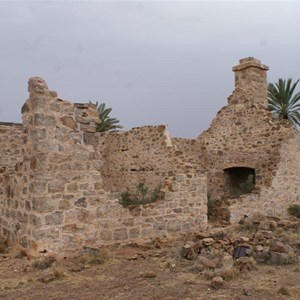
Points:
[(60, 179)]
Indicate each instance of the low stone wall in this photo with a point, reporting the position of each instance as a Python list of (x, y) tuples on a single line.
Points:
[(183, 209)]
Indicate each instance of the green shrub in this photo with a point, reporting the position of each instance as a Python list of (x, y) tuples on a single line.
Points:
[(294, 210), (141, 195), (212, 205), (248, 185), (244, 187)]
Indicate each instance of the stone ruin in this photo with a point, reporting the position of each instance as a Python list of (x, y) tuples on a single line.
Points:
[(61, 180)]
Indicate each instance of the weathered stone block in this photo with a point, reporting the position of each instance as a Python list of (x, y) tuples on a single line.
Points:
[(55, 218), (84, 216), (120, 234), (46, 233), (81, 202), (37, 187), (106, 235), (35, 220), (174, 225), (64, 204), (70, 228), (69, 122), (134, 232), (44, 120), (42, 204), (56, 187), (72, 187)]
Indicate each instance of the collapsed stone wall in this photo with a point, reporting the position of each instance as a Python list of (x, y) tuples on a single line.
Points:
[(243, 134), (55, 198), (140, 154), (61, 184)]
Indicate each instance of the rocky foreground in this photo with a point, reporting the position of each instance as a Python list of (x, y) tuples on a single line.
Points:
[(221, 254), (256, 259)]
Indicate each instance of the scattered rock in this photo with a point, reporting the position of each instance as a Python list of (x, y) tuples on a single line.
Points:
[(188, 251), (47, 276), (148, 275), (278, 247), (273, 225), (245, 263), (259, 248), (246, 292), (227, 261), (209, 263), (208, 241), (217, 282), (77, 268)]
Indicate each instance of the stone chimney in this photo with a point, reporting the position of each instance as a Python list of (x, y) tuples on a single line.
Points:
[(251, 86)]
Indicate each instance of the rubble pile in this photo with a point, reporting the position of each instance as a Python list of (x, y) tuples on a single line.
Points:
[(225, 252)]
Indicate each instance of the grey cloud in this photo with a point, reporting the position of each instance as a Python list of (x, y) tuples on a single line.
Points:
[(156, 62)]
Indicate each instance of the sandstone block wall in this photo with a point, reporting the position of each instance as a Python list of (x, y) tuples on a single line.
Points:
[(140, 154), (60, 180), (243, 134), (183, 209), (11, 140), (57, 196), (284, 190)]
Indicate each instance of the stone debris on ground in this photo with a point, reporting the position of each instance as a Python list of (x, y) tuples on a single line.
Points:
[(238, 248)]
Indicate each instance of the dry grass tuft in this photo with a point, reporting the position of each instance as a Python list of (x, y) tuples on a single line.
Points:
[(59, 273), (227, 273), (92, 256), (284, 291)]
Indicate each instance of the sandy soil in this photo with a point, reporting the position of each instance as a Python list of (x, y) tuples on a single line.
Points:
[(138, 273)]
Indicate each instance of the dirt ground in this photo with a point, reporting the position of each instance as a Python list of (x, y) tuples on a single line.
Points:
[(153, 272)]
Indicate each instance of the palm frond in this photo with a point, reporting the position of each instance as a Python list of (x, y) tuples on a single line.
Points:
[(283, 102), (107, 123)]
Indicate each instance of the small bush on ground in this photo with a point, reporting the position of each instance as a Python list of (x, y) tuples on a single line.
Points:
[(294, 210), (140, 196)]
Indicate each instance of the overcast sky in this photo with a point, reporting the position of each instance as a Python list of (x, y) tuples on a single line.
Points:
[(153, 62)]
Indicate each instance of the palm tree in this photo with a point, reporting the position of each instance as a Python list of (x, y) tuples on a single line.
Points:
[(282, 102), (107, 123)]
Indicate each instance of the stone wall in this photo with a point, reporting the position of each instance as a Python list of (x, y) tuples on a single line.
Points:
[(284, 190), (140, 154), (11, 138), (11, 143), (60, 179), (243, 134), (183, 209), (55, 199)]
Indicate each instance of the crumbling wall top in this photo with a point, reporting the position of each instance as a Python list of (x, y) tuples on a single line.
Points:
[(37, 85)]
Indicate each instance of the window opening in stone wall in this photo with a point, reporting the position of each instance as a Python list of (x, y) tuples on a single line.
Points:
[(239, 181)]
